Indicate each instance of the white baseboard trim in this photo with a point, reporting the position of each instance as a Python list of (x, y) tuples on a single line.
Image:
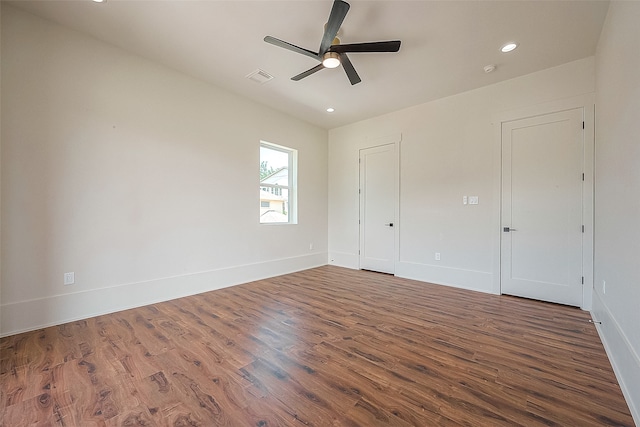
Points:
[(624, 359), (38, 313), (455, 277), (344, 259)]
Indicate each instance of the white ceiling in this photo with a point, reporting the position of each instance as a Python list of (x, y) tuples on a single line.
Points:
[(445, 45)]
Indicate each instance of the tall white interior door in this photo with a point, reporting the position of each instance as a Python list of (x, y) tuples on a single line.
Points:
[(377, 208), (542, 183)]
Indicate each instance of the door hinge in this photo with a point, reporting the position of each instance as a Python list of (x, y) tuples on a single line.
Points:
[(359, 191), (583, 280), (583, 228), (583, 176), (358, 251), (583, 125)]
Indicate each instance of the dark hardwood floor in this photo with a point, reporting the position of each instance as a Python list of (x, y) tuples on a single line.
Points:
[(322, 347)]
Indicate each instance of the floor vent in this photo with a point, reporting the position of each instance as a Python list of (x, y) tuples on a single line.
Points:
[(259, 76)]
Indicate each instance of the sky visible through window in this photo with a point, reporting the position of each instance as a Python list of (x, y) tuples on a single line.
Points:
[(275, 159)]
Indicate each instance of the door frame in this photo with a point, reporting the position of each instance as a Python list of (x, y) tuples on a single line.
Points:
[(587, 103), (394, 139)]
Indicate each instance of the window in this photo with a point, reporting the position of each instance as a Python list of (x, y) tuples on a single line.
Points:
[(277, 184)]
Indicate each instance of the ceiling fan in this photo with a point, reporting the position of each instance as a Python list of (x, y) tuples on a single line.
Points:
[(331, 53)]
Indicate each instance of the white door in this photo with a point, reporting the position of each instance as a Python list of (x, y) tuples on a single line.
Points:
[(377, 208), (542, 179)]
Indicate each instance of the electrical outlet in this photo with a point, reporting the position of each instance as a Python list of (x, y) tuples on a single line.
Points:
[(69, 278), (464, 200), (473, 200), (437, 256)]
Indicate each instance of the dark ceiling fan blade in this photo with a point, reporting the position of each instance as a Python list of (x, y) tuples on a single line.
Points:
[(354, 78), (338, 12), (388, 46), (308, 72), (289, 46)]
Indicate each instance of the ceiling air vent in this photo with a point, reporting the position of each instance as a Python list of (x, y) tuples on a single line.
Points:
[(259, 76)]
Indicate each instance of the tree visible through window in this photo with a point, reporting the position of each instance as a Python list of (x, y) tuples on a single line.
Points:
[(277, 183)]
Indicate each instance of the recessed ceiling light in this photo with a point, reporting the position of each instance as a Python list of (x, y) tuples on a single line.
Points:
[(330, 110), (99, 1), (509, 47)]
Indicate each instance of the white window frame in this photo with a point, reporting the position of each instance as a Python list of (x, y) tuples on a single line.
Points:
[(292, 186)]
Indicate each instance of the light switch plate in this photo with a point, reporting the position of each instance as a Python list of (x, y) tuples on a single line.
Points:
[(473, 200)]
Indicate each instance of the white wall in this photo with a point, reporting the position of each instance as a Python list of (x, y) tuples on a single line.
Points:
[(617, 214), (113, 167), (448, 150)]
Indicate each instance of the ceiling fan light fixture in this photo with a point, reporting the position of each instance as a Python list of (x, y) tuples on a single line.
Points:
[(331, 59)]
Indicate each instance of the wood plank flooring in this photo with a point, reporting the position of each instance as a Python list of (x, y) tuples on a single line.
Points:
[(322, 347)]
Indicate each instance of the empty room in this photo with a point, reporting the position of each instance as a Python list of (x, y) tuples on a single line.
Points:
[(319, 213)]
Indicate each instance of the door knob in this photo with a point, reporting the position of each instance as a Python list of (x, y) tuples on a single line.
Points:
[(389, 225), (507, 229)]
